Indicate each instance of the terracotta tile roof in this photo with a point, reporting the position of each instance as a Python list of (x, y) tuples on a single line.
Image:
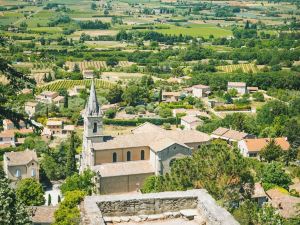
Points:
[(141, 138), (124, 168), (252, 88), (237, 84), (51, 94), (163, 143), (171, 94), (146, 128), (258, 191), (230, 134), (31, 104), (54, 123), (42, 214), (6, 145), (190, 119), (7, 134), (285, 203), (20, 158), (200, 86), (69, 127), (255, 145), (11, 133)]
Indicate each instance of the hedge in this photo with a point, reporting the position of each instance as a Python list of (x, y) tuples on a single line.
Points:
[(135, 122), (233, 108)]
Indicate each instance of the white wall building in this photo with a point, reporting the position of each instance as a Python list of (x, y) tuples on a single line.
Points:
[(241, 87)]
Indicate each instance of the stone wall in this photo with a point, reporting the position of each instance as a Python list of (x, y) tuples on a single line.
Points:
[(146, 206), (95, 208)]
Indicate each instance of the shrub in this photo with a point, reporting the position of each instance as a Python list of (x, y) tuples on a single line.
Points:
[(130, 110)]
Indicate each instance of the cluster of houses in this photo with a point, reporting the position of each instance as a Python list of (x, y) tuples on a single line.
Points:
[(122, 163)]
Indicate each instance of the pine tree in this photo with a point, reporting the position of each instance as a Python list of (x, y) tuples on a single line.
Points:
[(71, 162), (49, 199)]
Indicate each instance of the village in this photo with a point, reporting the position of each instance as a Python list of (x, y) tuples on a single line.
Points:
[(159, 112)]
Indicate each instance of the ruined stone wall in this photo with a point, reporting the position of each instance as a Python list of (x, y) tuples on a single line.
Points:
[(146, 206)]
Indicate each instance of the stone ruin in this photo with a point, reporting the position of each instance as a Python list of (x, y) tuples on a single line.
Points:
[(193, 206)]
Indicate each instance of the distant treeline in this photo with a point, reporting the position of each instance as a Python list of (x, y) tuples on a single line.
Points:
[(97, 24), (152, 36), (280, 79)]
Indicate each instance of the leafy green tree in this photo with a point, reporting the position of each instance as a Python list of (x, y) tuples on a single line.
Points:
[(273, 175), (16, 82), (71, 161), (30, 192), (247, 213), (110, 113), (258, 96), (134, 94), (271, 152), (165, 112), (12, 211), (233, 92), (115, 94), (93, 6), (112, 61), (68, 212), (270, 110), (269, 216), (228, 182), (82, 182)]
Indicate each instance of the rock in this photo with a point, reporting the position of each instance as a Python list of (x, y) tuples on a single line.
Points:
[(125, 218), (143, 217), (189, 213), (176, 214), (156, 217), (136, 219), (200, 220), (116, 219), (169, 214), (107, 219)]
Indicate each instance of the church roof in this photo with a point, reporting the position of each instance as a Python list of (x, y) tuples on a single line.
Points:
[(156, 140), (92, 107)]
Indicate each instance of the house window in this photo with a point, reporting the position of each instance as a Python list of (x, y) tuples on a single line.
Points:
[(142, 155), (128, 156), (18, 173), (95, 128), (1, 139), (33, 173), (114, 157)]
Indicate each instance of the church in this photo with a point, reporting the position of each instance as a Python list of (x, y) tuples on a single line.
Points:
[(122, 163)]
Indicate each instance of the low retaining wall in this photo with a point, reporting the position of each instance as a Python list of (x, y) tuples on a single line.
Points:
[(153, 204), (96, 207)]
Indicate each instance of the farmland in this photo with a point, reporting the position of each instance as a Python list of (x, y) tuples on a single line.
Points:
[(246, 68), (98, 65), (69, 84), (196, 30)]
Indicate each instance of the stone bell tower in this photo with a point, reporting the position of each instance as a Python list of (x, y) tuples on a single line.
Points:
[(93, 128)]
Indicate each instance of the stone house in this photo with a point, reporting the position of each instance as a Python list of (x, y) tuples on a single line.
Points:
[(55, 126), (7, 138), (190, 122), (123, 162), (88, 74), (252, 89), (30, 108), (42, 215), (241, 87), (230, 135), (50, 97), (20, 165), (252, 147), (259, 195), (76, 90), (200, 91), (170, 96)]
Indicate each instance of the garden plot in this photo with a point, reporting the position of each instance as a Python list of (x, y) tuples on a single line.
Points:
[(95, 33)]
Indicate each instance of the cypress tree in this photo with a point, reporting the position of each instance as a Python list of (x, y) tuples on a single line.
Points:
[(71, 162), (49, 199), (66, 102), (58, 199)]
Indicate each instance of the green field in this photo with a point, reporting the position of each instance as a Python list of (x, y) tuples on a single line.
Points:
[(197, 30)]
